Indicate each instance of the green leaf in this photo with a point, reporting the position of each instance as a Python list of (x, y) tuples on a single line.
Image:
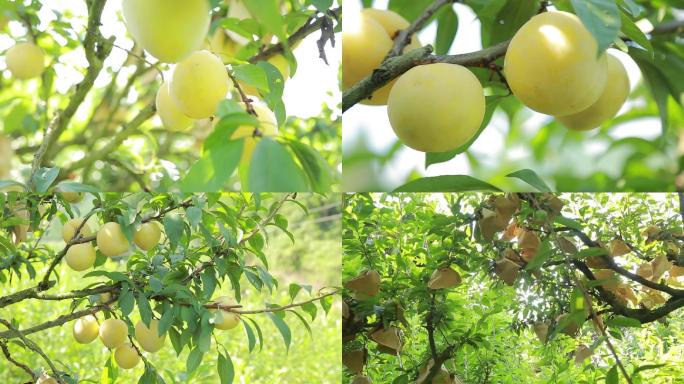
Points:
[(293, 290), (144, 309), (43, 178), (633, 32), (166, 320), (623, 321), (267, 13), (449, 183), (601, 18), (304, 322), (126, 301), (542, 255), (509, 19), (173, 227), (213, 170), (632, 7), (612, 376), (491, 102), (409, 9), (315, 167), (531, 178), (274, 170), (447, 26), (251, 340), (283, 328), (253, 75), (194, 215), (258, 330), (322, 5), (194, 360), (657, 83), (225, 368), (589, 252), (70, 186), (570, 223)]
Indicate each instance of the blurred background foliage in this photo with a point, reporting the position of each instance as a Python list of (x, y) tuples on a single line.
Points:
[(313, 258), (406, 236), (638, 150)]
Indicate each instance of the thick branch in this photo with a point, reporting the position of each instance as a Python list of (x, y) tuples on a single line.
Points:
[(632, 276), (396, 66)]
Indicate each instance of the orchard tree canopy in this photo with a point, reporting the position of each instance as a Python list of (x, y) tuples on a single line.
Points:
[(528, 288), (192, 96), (584, 94), (168, 283)]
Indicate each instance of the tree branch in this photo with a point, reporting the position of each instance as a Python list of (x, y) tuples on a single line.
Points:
[(312, 25), (403, 37), (392, 68), (34, 347), (97, 49), (114, 143), (6, 352)]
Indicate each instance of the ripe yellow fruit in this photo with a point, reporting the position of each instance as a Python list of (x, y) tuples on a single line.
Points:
[(268, 126), (437, 107), (198, 84), (149, 338), (113, 333), (86, 329), (45, 379), (172, 118), (25, 61), (222, 45), (111, 240), (70, 227), (126, 356), (614, 95), (237, 10), (147, 237), (72, 197), (80, 257), (552, 66), (168, 29), (6, 154), (225, 320), (366, 44)]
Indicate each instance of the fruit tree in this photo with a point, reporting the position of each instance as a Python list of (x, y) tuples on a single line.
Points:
[(180, 95), (505, 288), (155, 288)]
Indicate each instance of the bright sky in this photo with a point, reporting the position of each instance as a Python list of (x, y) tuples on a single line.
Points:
[(372, 121), (314, 83)]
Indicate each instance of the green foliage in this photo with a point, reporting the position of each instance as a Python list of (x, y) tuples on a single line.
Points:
[(405, 237), (265, 251)]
